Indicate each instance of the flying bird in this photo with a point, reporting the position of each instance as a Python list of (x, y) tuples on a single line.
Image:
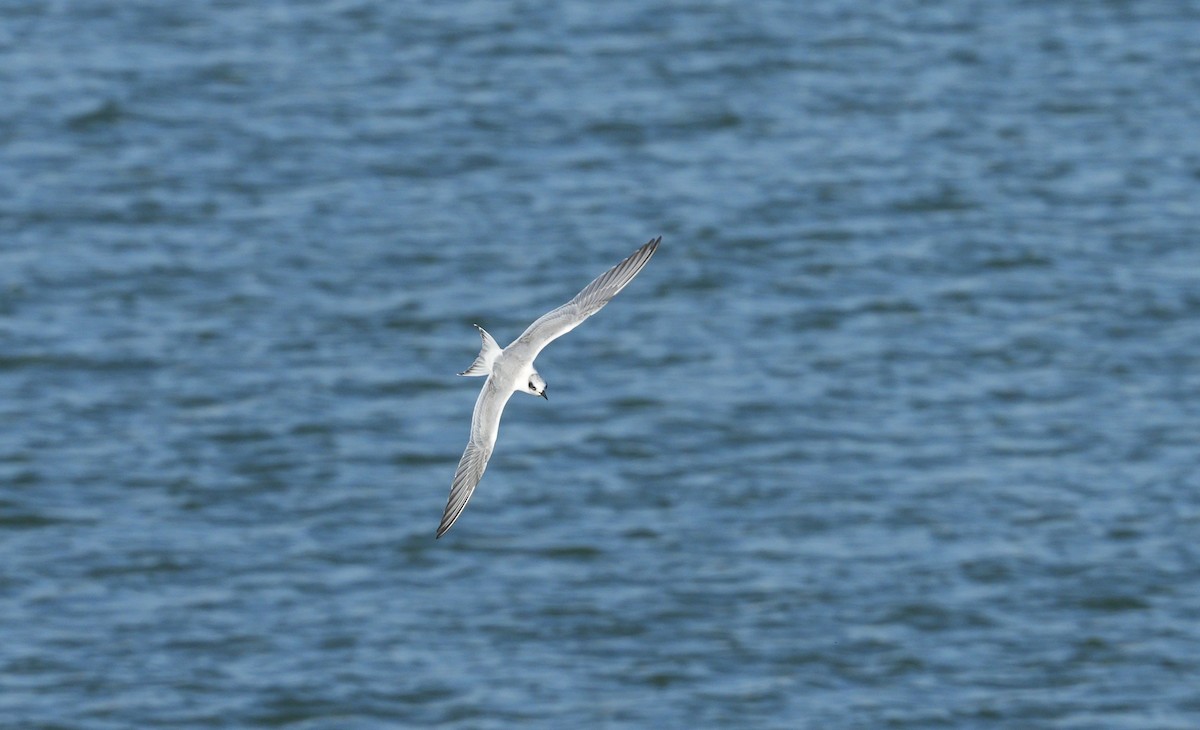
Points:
[(510, 370)]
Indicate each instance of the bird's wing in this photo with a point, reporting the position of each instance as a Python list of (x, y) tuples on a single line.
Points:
[(558, 322), (485, 423)]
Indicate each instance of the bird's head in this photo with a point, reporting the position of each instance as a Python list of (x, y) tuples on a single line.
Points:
[(536, 386)]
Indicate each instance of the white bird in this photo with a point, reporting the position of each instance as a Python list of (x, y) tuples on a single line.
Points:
[(511, 370)]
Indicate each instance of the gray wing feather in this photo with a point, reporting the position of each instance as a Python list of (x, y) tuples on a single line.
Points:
[(558, 322), (485, 423)]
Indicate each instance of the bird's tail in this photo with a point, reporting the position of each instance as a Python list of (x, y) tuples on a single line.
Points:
[(487, 355)]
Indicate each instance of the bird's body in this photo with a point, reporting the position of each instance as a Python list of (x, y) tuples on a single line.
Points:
[(510, 370)]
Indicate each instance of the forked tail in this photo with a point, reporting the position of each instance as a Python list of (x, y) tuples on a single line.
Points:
[(487, 355)]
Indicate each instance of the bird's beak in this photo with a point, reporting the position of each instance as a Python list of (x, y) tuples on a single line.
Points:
[(544, 394)]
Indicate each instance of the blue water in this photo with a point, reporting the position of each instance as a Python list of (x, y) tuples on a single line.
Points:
[(898, 429)]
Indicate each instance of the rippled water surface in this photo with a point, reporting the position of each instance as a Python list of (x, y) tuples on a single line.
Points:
[(898, 429)]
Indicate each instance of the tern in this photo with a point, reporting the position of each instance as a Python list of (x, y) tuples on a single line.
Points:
[(510, 370)]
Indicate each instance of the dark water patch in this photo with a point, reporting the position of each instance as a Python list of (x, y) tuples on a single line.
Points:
[(573, 553), (17, 519), (422, 459), (240, 436), (23, 478), (198, 402), (1114, 603), (1070, 108), (106, 113), (1020, 260), (635, 403), (139, 565), (52, 362), (947, 199)]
